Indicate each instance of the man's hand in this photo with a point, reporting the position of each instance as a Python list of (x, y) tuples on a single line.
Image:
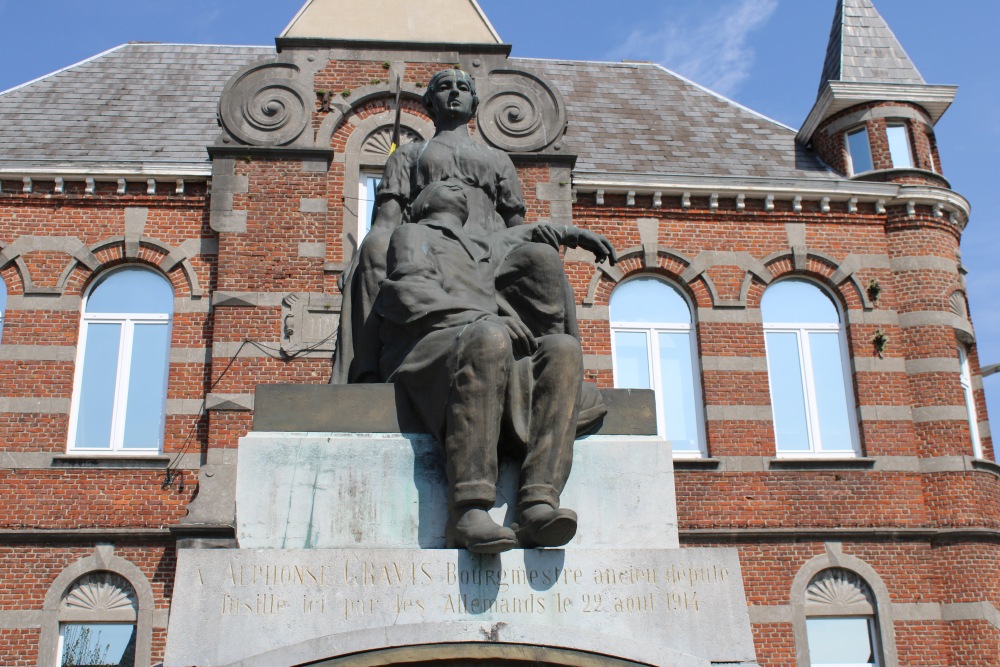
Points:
[(522, 340), (597, 244)]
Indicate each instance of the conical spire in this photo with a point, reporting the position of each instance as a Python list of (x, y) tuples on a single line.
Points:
[(866, 63), (427, 21), (863, 49)]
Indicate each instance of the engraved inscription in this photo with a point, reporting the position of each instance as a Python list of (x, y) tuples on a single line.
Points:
[(355, 587), (255, 601)]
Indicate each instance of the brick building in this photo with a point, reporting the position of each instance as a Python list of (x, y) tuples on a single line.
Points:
[(798, 298)]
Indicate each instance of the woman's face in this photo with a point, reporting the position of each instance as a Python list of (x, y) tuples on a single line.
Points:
[(452, 97)]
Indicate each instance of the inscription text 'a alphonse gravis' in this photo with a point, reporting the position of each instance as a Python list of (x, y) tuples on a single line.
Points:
[(257, 595)]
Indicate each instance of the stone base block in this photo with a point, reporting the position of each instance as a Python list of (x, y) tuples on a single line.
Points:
[(389, 491), (270, 608)]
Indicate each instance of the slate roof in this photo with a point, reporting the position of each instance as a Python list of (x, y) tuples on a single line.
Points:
[(152, 103), (136, 103), (863, 49), (642, 118)]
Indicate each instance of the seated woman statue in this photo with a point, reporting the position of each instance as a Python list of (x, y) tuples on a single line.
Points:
[(489, 180), (479, 379)]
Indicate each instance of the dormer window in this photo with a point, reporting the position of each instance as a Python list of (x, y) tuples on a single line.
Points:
[(899, 146), (859, 152)]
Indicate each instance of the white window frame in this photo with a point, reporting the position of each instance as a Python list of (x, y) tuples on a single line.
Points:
[(652, 331), (63, 626), (128, 322), (907, 140), (364, 176), (850, 154), (965, 375), (3, 306), (802, 331), (873, 639)]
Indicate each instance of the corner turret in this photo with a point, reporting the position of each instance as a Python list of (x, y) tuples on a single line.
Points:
[(874, 115)]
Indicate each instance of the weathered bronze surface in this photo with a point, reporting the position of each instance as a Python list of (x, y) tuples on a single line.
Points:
[(469, 312)]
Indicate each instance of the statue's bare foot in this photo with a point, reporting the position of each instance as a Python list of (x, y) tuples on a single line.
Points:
[(544, 526), (473, 529)]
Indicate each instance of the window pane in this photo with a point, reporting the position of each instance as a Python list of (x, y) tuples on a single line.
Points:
[(840, 641), (369, 188), (632, 360), (97, 386), (861, 155), (787, 397), (132, 290), (649, 300), (899, 146), (970, 402), (677, 393), (97, 644), (147, 382), (3, 306), (798, 302), (831, 391)]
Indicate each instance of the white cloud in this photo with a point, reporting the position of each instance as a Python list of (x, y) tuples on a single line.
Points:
[(712, 49), (208, 17)]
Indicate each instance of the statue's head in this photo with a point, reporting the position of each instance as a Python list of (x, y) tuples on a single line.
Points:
[(440, 197), (451, 91)]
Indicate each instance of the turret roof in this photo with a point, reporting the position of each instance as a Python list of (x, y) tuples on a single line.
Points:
[(863, 49)]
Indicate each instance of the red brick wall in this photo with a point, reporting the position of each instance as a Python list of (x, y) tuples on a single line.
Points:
[(265, 259)]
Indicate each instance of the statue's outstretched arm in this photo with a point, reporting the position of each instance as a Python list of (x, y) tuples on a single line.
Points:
[(564, 235)]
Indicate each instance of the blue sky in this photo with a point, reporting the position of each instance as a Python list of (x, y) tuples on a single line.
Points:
[(765, 54)]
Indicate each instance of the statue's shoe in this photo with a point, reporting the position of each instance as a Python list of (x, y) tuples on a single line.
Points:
[(476, 531), (545, 526)]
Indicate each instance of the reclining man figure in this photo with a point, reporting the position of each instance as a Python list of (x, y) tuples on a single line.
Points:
[(477, 376)]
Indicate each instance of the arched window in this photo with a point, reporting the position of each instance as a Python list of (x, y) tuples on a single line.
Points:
[(119, 397), (3, 306), (654, 348), (98, 622), (841, 621), (806, 364)]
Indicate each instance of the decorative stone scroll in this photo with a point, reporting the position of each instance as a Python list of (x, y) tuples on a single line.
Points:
[(266, 105), (520, 111)]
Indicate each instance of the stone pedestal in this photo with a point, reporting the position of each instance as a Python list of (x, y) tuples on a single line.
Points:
[(378, 491), (341, 555)]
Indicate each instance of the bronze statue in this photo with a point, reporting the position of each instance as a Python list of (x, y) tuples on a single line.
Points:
[(468, 310)]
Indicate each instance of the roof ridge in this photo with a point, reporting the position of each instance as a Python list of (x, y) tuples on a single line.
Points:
[(725, 99), (64, 69), (658, 66), (216, 46)]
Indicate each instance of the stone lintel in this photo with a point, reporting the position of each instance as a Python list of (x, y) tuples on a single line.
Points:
[(376, 408)]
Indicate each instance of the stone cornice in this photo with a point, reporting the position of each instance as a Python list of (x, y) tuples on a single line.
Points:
[(812, 533), (105, 171), (8, 536), (283, 43), (883, 195)]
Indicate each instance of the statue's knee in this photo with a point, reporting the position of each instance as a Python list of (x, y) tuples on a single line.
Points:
[(561, 347), (544, 259), (487, 341)]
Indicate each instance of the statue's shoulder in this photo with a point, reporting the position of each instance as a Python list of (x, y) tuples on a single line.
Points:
[(411, 149)]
